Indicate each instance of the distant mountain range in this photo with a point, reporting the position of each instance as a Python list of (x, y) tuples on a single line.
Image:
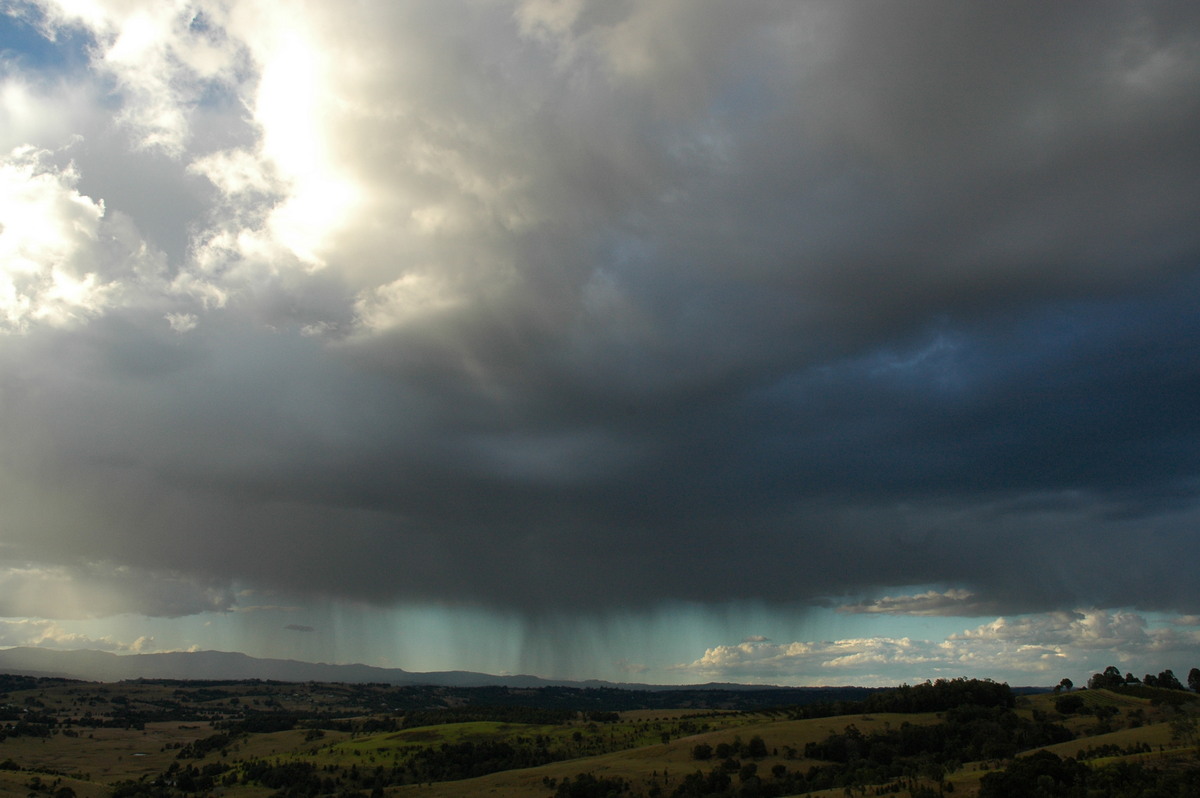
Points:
[(102, 666)]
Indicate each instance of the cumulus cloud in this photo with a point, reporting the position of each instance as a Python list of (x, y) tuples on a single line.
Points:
[(1032, 649), (64, 259), (828, 662), (48, 634), (768, 303), (1119, 633), (162, 58)]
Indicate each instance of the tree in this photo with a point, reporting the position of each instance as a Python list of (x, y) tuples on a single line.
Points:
[(1103, 714), (757, 748), (1194, 680), (1183, 729), (1110, 679), (1167, 680), (1064, 686), (1040, 773)]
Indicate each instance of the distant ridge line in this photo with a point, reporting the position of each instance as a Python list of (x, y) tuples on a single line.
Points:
[(104, 666)]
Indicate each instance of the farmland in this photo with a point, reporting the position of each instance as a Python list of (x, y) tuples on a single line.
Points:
[(176, 739)]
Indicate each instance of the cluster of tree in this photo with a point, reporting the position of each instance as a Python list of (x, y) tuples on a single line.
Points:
[(436, 716), (190, 778), (467, 759), (911, 757), (12, 682), (499, 713), (1045, 775), (357, 725), (933, 696), (967, 733), (1073, 704), (702, 785), (585, 785), (298, 779), (942, 695), (1069, 704), (260, 723), (176, 781), (203, 692), (598, 716), (288, 779), (1111, 679), (1112, 749), (198, 749), (755, 749), (118, 721), (30, 725), (751, 783)]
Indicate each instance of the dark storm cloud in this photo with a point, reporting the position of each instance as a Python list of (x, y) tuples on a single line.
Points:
[(1014, 467), (833, 299)]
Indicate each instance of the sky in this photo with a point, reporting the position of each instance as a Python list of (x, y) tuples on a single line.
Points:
[(666, 342)]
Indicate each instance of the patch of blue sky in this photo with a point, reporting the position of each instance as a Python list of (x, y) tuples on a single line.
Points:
[(22, 43)]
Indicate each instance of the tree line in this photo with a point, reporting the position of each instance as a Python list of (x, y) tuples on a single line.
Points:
[(1111, 679)]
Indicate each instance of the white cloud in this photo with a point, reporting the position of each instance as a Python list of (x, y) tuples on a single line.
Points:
[(951, 603), (50, 114), (41, 633), (818, 662), (455, 153), (162, 56), (182, 322), (412, 297), (62, 258), (1090, 629), (1025, 649), (237, 173), (188, 76)]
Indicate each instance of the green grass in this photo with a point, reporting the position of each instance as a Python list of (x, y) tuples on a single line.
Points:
[(632, 748)]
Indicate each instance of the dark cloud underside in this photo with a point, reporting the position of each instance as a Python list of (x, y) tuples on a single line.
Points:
[(632, 310)]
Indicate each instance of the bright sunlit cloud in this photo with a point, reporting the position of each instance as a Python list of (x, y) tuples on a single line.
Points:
[(62, 258)]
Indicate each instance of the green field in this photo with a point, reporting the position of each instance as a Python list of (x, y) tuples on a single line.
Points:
[(180, 740)]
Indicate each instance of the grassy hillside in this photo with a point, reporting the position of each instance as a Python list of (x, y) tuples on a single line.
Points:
[(179, 740)]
